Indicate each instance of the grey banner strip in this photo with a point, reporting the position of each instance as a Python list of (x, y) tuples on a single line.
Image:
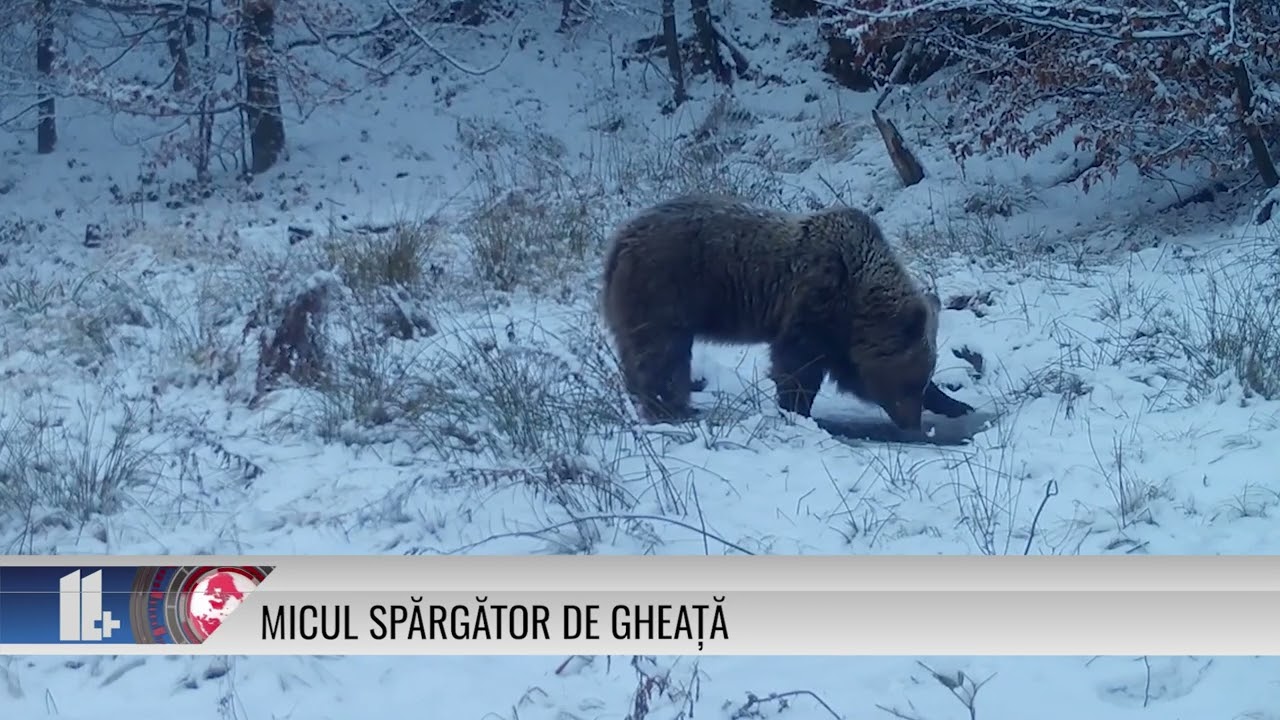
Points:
[(685, 572)]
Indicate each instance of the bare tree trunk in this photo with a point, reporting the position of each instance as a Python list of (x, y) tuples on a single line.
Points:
[(180, 36), (262, 89), (672, 40), (709, 39), (47, 125), (204, 128), (1262, 159)]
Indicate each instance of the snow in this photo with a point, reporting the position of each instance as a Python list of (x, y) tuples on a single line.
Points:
[(1078, 304)]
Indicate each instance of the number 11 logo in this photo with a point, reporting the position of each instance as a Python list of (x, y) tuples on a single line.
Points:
[(80, 614)]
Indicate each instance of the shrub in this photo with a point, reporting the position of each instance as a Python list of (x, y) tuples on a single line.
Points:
[(1233, 328)]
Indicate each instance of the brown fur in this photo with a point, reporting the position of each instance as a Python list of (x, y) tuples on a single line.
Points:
[(824, 290)]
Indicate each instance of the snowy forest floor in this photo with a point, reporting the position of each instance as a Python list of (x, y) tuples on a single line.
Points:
[(466, 400)]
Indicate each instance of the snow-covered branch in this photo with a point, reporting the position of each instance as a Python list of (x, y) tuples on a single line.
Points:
[(440, 52)]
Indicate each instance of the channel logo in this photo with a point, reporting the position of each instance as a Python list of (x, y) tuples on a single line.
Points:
[(181, 605), (80, 613)]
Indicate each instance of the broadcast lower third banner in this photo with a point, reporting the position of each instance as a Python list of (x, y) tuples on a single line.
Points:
[(686, 605)]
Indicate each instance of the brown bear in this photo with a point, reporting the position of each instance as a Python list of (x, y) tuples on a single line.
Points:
[(823, 289)]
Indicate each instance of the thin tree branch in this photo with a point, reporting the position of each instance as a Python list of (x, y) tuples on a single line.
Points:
[(440, 53)]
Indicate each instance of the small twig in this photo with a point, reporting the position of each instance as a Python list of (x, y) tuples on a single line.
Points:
[(440, 52), (702, 521), (831, 189), (560, 668), (896, 713), (1050, 490), (1146, 692), (550, 528), (753, 701), (962, 687)]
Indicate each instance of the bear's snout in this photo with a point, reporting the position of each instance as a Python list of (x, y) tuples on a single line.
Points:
[(906, 413)]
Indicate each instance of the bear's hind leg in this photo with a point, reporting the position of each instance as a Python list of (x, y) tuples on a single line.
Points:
[(654, 365), (676, 375), (797, 372), (638, 377)]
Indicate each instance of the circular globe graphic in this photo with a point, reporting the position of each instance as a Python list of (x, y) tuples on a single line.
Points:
[(214, 596)]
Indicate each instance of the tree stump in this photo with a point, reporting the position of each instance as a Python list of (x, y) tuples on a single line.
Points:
[(292, 347), (909, 168)]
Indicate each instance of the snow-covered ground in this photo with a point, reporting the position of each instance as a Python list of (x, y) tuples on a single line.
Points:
[(1106, 336)]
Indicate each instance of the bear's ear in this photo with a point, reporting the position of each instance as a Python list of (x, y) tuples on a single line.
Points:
[(934, 302)]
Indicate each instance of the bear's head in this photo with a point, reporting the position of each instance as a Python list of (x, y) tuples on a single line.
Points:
[(896, 357)]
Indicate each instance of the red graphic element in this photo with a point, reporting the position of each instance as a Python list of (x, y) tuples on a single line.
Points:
[(214, 594)]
